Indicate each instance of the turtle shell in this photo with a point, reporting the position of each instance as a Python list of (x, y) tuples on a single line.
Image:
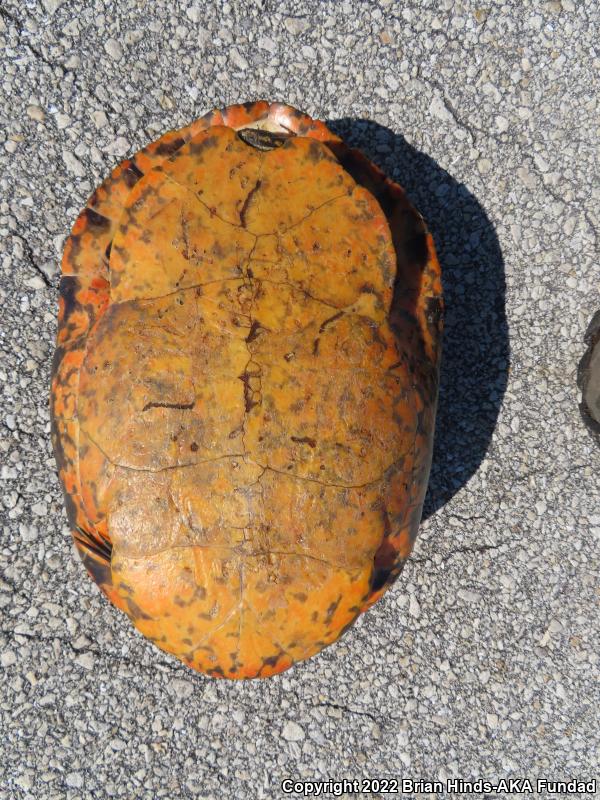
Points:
[(588, 378), (244, 387)]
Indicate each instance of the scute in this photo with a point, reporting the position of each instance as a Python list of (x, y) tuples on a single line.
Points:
[(243, 416)]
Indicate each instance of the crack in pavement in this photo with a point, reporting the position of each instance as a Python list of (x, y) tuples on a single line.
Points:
[(353, 711)]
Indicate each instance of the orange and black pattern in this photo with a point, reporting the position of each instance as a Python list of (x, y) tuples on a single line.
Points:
[(244, 387)]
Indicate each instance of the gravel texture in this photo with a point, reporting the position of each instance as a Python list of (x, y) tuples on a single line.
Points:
[(482, 662)]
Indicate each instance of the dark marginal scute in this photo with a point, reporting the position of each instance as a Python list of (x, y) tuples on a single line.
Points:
[(68, 288), (96, 220), (98, 569), (168, 148), (379, 578), (98, 545), (132, 175), (57, 358), (434, 310), (416, 249), (70, 507)]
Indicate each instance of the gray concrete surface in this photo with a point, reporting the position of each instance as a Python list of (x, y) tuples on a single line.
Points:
[(482, 661)]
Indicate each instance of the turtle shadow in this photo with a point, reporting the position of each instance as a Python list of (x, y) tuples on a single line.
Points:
[(475, 352)]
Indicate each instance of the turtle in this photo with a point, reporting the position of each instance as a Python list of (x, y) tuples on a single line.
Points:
[(244, 387), (588, 378)]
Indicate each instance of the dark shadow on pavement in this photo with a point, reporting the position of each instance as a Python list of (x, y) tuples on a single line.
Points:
[(475, 354)]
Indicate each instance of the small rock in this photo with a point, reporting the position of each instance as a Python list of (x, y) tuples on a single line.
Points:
[(100, 119), (437, 108), (194, 13), (292, 732), (119, 146), (35, 112), (73, 164), (414, 609), (24, 781), (117, 744), (62, 121), (182, 688), (86, 661), (266, 43), (484, 165), (8, 658), (74, 780), (52, 5), (469, 597), (492, 720), (114, 49), (238, 59), (295, 26), (527, 177)]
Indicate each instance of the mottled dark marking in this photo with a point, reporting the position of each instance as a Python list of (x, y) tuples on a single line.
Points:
[(331, 609), (249, 393), (315, 347), (108, 250), (134, 611), (194, 447), (247, 202), (255, 329), (207, 143), (270, 661), (329, 320), (214, 671), (395, 365), (180, 406), (236, 432), (304, 440), (315, 152)]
